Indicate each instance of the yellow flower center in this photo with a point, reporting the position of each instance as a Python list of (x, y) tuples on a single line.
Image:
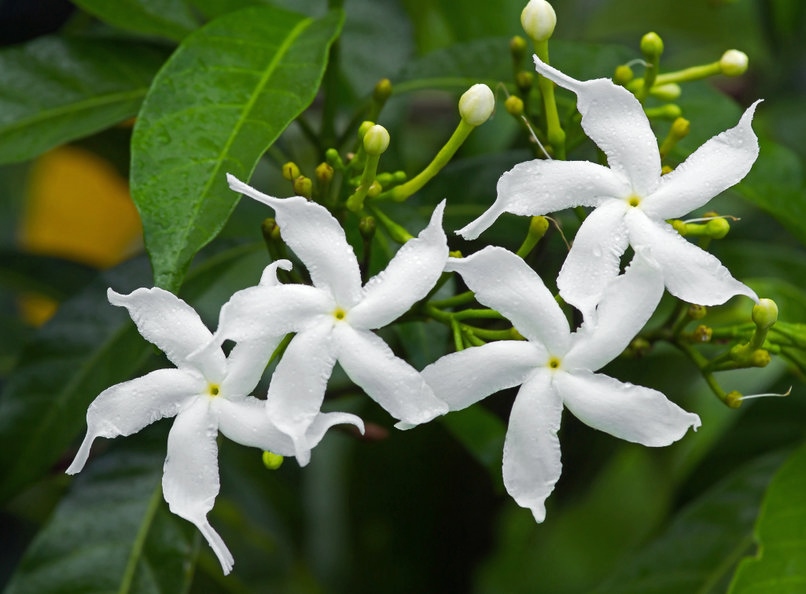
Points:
[(554, 363), (213, 390), (633, 200), (339, 313)]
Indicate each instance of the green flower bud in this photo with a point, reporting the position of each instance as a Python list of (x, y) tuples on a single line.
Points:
[(270, 230), (324, 173), (518, 47), (667, 92), (765, 313), (382, 90), (303, 186), (697, 312), (717, 228), (514, 105), (476, 105), (333, 159), (290, 171), (670, 111), (681, 128), (623, 75), (702, 333), (375, 189), (538, 19), (364, 127), (733, 399), (272, 461), (733, 63), (367, 227), (760, 358), (651, 45), (376, 140)]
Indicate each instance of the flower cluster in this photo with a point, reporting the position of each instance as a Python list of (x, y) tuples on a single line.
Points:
[(334, 318)]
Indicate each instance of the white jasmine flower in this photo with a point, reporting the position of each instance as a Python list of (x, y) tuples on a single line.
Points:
[(477, 104), (206, 394), (556, 368), (538, 19), (632, 200), (334, 318)]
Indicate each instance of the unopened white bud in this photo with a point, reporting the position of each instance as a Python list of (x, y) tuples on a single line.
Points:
[(476, 104), (538, 20), (733, 63), (376, 140)]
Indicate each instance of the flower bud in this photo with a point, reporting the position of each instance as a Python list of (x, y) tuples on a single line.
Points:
[(717, 228), (324, 173), (375, 189), (367, 227), (734, 399), (538, 19), (697, 312), (290, 171), (524, 80), (272, 461), (303, 186), (514, 105), (334, 159), (651, 45), (765, 313), (476, 104), (733, 63), (376, 140), (623, 75), (760, 358), (517, 47), (667, 92), (681, 127), (382, 90), (702, 333)]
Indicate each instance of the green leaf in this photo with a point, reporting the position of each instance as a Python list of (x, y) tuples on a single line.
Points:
[(52, 277), (112, 532), (58, 89), (172, 19), (482, 433), (698, 550), (780, 564), (221, 100)]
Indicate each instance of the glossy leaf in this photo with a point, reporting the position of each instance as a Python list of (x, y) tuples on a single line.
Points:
[(698, 550), (112, 532), (221, 100), (779, 564), (172, 19), (58, 89), (48, 276)]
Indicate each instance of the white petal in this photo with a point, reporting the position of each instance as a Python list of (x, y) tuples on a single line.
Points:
[(690, 273), (128, 407), (298, 385), (269, 276), (246, 363), (714, 167), (614, 119), (258, 313), (410, 275), (627, 411), (244, 421), (465, 377), (595, 257), (317, 239), (504, 282), (532, 463), (325, 421), (387, 379), (540, 187), (627, 304), (168, 322), (190, 476)]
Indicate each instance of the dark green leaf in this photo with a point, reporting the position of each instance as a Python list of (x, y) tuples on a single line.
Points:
[(58, 89), (780, 564), (482, 433), (52, 277), (111, 532), (172, 19), (697, 552), (221, 100)]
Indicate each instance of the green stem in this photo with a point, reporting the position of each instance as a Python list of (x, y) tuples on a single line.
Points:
[(554, 131)]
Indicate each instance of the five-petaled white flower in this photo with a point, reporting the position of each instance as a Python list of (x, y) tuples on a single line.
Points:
[(632, 200), (334, 318), (207, 393), (555, 367)]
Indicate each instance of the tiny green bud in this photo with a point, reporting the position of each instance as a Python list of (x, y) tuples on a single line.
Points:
[(760, 358), (623, 75), (697, 312), (517, 47), (376, 140), (640, 346), (524, 80), (367, 227), (375, 188), (399, 177), (272, 461), (681, 128), (651, 45), (514, 105), (702, 333), (667, 92), (765, 313), (476, 105), (670, 111), (362, 129), (734, 399), (270, 230), (333, 159), (538, 19), (324, 173), (382, 90), (303, 186), (717, 228), (290, 171), (733, 63)]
